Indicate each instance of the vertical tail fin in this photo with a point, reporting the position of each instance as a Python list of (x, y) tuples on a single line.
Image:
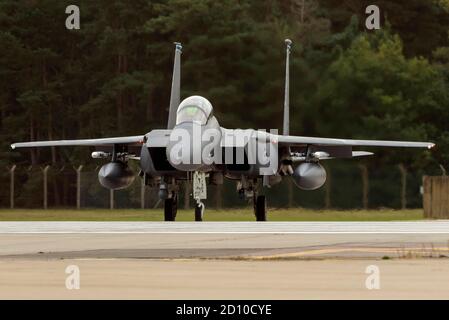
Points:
[(175, 95), (286, 125)]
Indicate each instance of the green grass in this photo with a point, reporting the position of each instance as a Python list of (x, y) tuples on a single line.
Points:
[(298, 214)]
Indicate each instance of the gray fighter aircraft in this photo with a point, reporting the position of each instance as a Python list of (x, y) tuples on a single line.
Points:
[(253, 158)]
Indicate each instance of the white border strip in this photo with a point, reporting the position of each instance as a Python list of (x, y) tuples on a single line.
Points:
[(321, 227), (223, 232)]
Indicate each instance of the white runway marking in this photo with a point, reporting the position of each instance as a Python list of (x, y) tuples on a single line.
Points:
[(322, 227)]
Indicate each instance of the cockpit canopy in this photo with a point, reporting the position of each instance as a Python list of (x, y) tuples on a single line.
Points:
[(194, 108)]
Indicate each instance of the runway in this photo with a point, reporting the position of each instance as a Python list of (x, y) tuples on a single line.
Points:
[(243, 240), (398, 227), (220, 260)]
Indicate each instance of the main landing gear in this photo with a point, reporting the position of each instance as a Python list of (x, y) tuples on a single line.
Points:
[(169, 192), (247, 189), (171, 208), (260, 208)]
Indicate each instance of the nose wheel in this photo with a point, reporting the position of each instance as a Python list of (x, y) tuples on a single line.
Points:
[(199, 210), (260, 208)]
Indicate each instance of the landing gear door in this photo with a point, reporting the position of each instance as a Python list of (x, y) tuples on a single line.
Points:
[(199, 186)]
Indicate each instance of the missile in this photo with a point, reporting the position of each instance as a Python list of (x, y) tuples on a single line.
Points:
[(100, 155)]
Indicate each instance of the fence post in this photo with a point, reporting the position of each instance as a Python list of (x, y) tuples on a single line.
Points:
[(427, 196), (443, 170), (290, 193), (365, 186), (45, 174), (111, 199), (11, 186), (187, 194), (403, 171), (142, 192), (218, 196), (78, 187)]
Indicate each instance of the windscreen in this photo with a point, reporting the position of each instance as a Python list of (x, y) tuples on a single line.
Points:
[(191, 113)]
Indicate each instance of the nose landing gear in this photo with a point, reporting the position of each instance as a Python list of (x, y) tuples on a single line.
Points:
[(199, 211), (199, 193)]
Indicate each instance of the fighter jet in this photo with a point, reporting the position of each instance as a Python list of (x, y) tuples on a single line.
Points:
[(195, 148)]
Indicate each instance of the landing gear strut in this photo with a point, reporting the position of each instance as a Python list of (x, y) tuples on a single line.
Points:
[(248, 188), (171, 208), (260, 208), (199, 193)]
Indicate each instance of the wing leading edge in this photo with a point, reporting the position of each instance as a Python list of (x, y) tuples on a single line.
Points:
[(131, 141), (298, 140)]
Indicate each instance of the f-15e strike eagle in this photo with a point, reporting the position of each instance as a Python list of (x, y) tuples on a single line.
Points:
[(194, 147)]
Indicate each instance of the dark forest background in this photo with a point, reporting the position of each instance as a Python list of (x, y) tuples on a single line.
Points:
[(112, 77)]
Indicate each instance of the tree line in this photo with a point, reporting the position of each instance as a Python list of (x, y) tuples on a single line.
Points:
[(112, 77)]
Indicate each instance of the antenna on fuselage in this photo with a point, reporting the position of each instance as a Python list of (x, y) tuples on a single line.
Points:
[(175, 94), (286, 124)]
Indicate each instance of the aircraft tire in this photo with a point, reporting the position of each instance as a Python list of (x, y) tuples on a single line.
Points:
[(260, 208), (198, 215), (170, 209)]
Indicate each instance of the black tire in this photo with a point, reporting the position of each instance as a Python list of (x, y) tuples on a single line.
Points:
[(170, 209), (198, 215), (175, 206), (260, 208)]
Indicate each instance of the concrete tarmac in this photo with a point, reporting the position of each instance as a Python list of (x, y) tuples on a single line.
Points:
[(222, 239), (214, 260), (227, 279)]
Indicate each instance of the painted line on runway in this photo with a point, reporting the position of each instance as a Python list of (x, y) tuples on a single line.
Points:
[(397, 227), (225, 232)]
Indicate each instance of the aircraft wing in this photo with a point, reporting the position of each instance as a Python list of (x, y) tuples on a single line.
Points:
[(130, 141), (304, 141)]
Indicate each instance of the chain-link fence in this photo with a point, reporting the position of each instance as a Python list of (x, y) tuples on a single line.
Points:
[(349, 186)]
